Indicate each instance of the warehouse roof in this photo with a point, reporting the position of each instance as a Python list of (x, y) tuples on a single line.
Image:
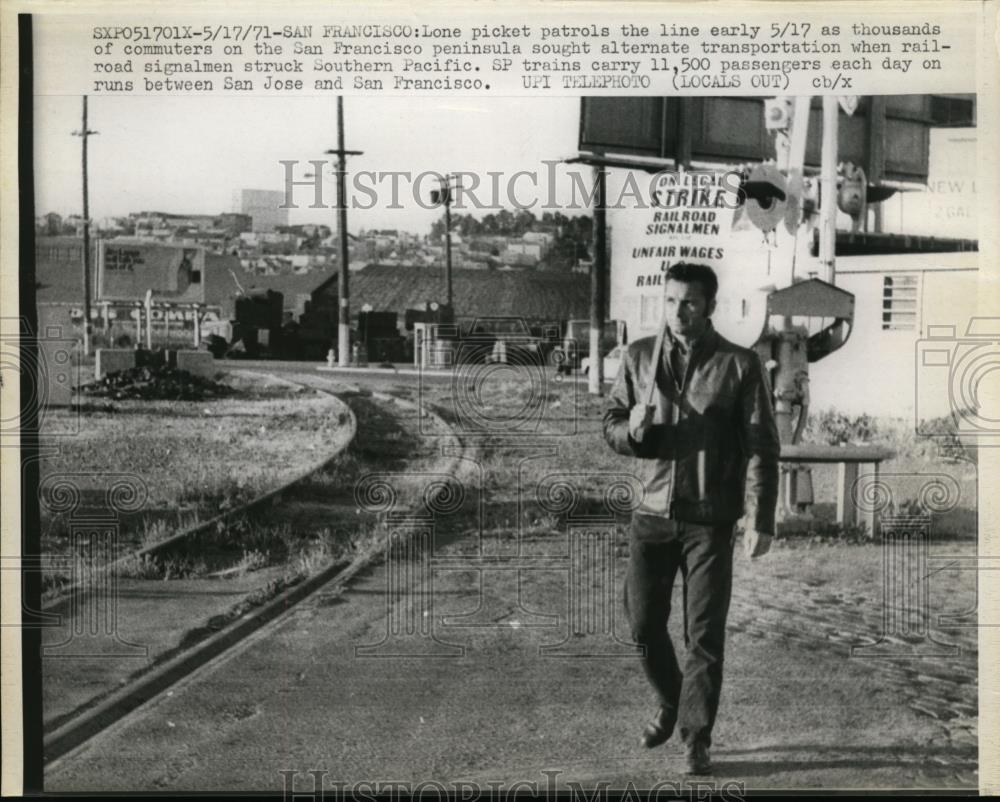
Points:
[(531, 294)]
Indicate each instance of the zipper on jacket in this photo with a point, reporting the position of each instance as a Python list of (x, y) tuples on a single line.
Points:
[(675, 419), (675, 416)]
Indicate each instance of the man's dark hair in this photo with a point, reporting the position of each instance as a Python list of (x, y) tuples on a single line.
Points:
[(689, 272)]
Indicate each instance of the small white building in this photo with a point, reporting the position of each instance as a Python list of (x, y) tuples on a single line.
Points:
[(901, 301), (542, 238)]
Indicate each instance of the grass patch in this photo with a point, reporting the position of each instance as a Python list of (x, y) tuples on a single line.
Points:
[(570, 419), (195, 459)]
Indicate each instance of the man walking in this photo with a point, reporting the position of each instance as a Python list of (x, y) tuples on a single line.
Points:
[(696, 411)]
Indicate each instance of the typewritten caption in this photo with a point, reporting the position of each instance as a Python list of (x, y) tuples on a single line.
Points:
[(785, 56)]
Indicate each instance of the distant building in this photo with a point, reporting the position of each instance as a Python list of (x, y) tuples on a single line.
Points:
[(146, 222), (489, 244), (49, 225), (213, 282), (73, 225), (235, 222), (61, 253), (542, 238), (113, 225), (522, 253), (264, 208)]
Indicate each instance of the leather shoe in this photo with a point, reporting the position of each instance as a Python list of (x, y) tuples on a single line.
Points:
[(698, 761), (659, 730)]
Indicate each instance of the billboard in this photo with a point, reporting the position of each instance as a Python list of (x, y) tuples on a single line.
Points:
[(126, 269), (698, 216), (732, 130)]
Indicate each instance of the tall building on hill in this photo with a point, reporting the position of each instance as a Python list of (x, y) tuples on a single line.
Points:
[(264, 208)]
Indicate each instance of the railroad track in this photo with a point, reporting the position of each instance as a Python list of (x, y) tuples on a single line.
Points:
[(177, 541), (383, 450)]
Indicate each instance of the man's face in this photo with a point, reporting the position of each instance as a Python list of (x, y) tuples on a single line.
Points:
[(687, 309)]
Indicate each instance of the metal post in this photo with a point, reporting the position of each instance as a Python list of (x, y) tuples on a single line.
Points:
[(344, 319), (828, 187), (86, 237), (875, 168), (598, 271), (149, 320), (795, 156), (847, 512), (800, 132)]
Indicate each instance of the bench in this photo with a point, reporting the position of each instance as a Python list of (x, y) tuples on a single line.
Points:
[(848, 460)]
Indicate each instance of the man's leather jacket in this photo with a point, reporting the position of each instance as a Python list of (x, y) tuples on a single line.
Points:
[(713, 442)]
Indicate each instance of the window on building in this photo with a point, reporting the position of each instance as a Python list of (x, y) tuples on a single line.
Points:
[(899, 302)]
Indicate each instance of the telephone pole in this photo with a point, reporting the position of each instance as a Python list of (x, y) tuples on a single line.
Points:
[(344, 312), (443, 196), (598, 273), (599, 266), (83, 133), (828, 190)]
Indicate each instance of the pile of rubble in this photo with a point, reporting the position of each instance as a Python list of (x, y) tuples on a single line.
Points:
[(162, 383)]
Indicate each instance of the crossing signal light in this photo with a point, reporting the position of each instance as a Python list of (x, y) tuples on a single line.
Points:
[(854, 193)]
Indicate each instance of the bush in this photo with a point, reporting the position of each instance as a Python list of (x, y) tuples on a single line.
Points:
[(834, 428), (943, 432), (935, 439)]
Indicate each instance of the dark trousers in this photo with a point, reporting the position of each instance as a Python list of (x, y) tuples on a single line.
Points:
[(704, 555)]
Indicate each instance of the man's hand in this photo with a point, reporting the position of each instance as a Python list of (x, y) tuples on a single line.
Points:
[(639, 421), (756, 544)]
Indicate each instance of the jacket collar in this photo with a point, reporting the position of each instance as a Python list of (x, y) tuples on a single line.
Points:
[(706, 342)]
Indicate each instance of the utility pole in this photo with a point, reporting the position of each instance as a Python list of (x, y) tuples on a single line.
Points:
[(83, 133), (828, 190), (875, 167), (599, 264), (444, 196), (344, 312), (598, 271)]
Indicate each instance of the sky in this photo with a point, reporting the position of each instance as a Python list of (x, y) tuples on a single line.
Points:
[(188, 154)]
